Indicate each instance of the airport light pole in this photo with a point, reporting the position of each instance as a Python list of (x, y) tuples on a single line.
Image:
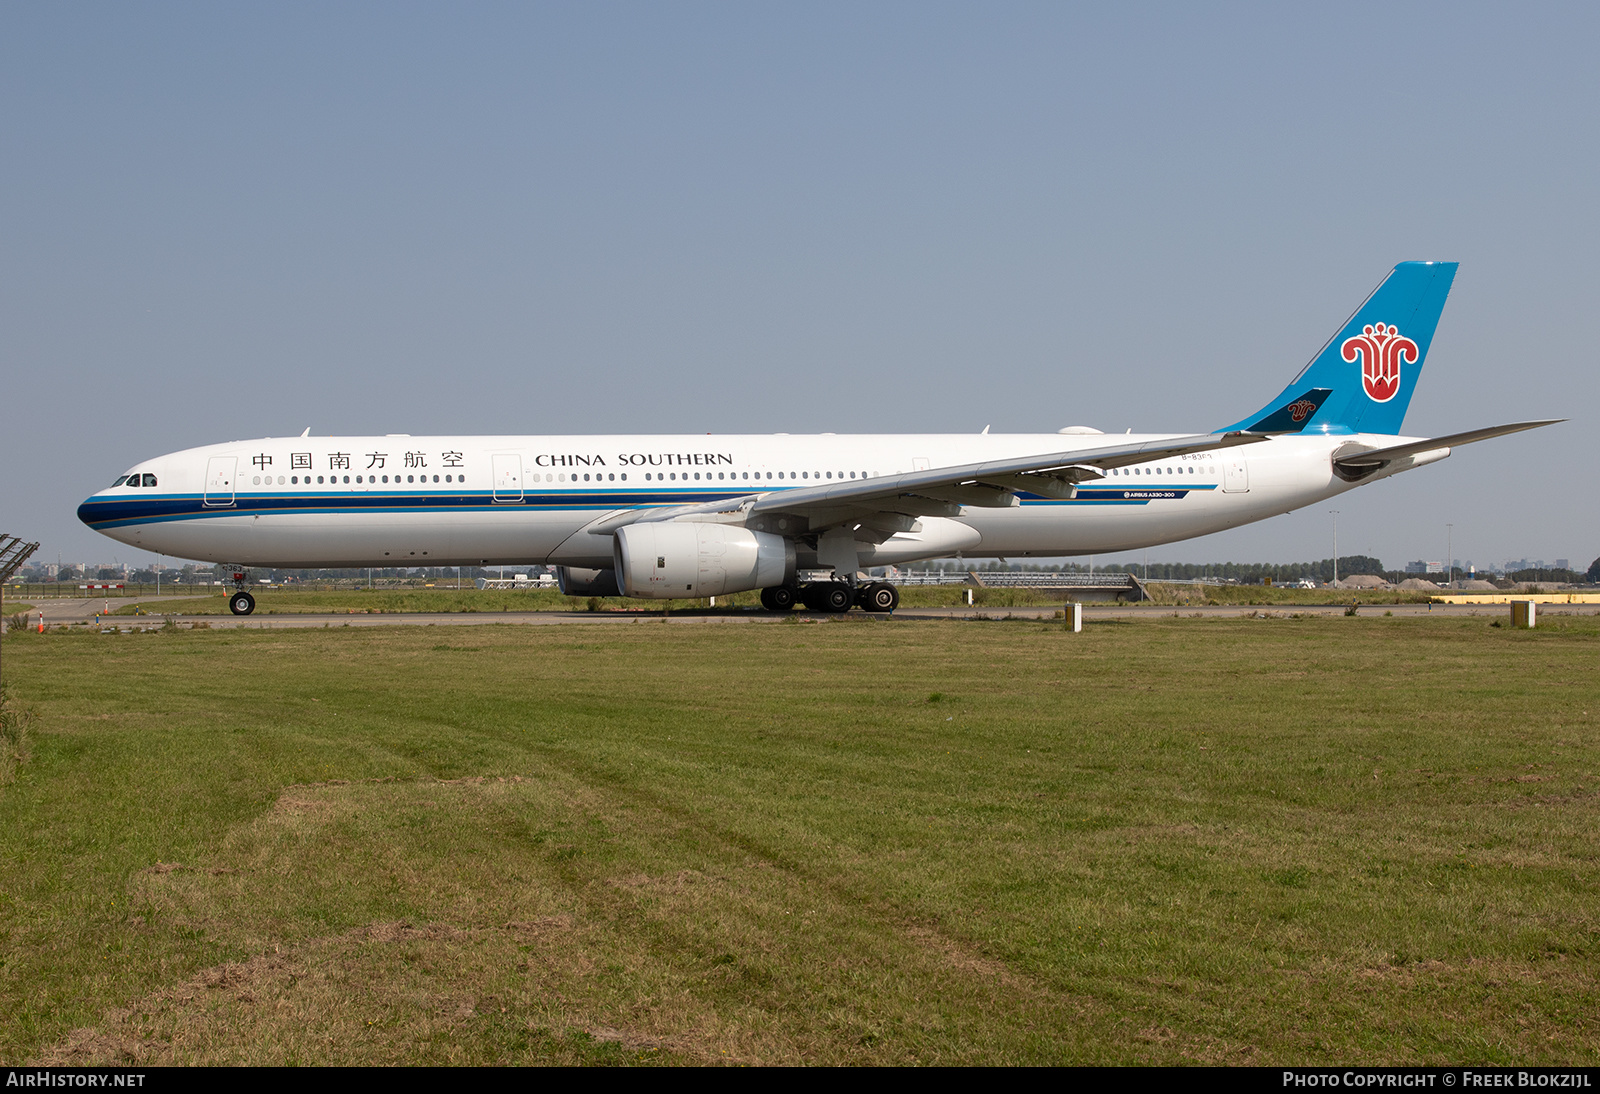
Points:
[(1449, 552), (1335, 513)]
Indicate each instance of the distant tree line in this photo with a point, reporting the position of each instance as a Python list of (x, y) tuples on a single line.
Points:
[(1551, 575)]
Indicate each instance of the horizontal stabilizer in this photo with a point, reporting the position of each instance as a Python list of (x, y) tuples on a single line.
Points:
[(1374, 458)]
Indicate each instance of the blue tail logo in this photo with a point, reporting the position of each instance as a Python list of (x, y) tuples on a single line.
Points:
[(1362, 379)]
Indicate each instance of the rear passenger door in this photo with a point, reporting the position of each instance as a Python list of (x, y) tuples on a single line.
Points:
[(1235, 475)]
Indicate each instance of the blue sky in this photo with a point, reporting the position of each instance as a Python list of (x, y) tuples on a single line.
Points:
[(225, 221)]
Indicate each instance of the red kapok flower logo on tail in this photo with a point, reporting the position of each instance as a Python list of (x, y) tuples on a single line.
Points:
[(1381, 350)]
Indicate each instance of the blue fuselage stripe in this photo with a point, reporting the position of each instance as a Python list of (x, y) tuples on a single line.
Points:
[(118, 512)]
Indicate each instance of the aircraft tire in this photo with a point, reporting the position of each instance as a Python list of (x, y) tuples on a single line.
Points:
[(241, 603), (833, 596), (879, 596), (779, 598)]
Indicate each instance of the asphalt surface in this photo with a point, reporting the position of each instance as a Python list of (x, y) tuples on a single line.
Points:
[(81, 610)]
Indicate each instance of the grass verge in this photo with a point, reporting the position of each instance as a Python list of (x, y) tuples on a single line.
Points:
[(1249, 840)]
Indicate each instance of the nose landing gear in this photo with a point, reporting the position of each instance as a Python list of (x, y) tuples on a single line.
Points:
[(241, 602)]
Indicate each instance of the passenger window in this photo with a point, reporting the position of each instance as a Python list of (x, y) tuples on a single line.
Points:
[(319, 480), (347, 478), (624, 476)]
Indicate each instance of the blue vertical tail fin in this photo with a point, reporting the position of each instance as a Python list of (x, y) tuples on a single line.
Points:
[(1361, 381)]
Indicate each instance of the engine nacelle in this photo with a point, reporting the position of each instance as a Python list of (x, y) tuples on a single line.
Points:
[(576, 581), (668, 559)]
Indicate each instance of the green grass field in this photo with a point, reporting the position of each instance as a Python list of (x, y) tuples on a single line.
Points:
[(1163, 841)]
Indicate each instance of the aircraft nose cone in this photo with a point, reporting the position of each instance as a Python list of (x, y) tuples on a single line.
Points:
[(86, 511)]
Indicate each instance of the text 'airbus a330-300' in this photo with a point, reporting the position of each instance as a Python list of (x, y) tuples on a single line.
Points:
[(667, 517)]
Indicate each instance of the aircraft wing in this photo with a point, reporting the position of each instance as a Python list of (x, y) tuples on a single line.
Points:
[(1372, 459), (891, 503)]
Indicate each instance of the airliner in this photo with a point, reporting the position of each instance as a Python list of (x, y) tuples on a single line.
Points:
[(801, 518)]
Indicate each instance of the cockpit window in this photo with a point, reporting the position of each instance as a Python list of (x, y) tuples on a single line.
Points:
[(149, 479), (120, 480)]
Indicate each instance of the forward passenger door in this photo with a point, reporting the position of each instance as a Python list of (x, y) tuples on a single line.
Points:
[(220, 472)]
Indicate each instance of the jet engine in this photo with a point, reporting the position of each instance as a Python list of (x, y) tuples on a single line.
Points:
[(575, 581), (667, 559)]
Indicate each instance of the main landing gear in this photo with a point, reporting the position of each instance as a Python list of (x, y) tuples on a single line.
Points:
[(241, 602), (832, 596)]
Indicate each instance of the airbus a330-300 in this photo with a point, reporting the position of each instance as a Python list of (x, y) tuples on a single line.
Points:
[(695, 516)]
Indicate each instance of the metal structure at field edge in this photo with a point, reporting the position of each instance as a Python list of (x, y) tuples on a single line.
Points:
[(13, 553), (666, 517)]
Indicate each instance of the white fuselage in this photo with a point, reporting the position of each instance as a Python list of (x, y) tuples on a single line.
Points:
[(447, 501)]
